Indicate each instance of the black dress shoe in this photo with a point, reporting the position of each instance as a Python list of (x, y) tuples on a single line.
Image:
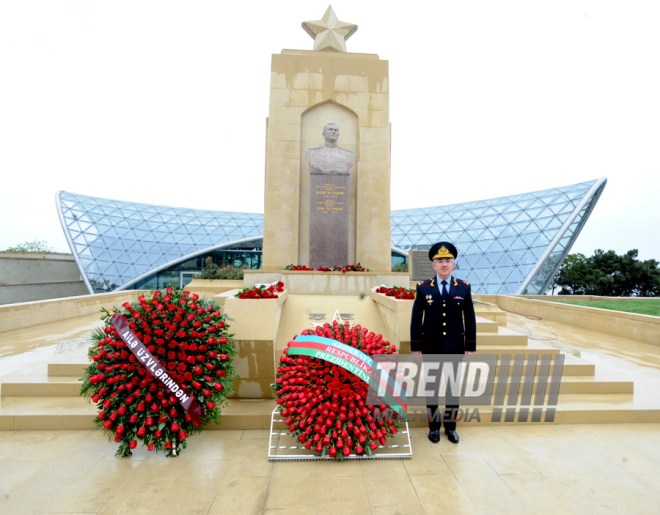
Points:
[(434, 436), (452, 436)]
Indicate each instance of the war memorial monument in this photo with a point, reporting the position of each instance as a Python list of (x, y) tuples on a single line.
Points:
[(564, 388)]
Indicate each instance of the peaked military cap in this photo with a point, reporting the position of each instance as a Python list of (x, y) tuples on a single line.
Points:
[(442, 249)]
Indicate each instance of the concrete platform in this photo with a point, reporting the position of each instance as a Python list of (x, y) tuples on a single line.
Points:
[(572, 469), (601, 454), (604, 380)]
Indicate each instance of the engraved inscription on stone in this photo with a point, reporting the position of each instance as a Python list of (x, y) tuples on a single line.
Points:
[(420, 265), (328, 221), (329, 198), (329, 201)]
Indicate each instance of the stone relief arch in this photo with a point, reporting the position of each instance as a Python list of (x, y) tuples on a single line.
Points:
[(312, 122)]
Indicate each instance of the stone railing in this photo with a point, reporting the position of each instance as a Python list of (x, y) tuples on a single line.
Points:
[(643, 328), (28, 314)]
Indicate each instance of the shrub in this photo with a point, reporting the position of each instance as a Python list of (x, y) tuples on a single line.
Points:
[(31, 246), (400, 267), (214, 272)]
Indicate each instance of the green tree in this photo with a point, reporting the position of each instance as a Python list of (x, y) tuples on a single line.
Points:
[(574, 275), (608, 274), (31, 246), (642, 277), (608, 278)]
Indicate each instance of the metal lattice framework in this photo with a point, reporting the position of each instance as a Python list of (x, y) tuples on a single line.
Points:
[(509, 244), (117, 243), (512, 244)]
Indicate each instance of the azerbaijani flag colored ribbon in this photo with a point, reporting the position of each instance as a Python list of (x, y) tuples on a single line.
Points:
[(350, 359)]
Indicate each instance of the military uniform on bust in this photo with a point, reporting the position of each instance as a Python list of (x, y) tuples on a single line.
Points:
[(443, 322)]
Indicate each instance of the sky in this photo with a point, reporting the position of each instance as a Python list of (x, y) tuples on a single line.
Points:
[(166, 102)]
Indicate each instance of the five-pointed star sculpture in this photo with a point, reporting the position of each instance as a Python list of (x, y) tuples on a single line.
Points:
[(329, 33)]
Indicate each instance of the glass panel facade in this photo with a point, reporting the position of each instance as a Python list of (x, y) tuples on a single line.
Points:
[(506, 244), (117, 242), (500, 241)]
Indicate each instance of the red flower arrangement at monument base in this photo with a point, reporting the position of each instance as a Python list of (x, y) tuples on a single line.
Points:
[(397, 293), (343, 269), (298, 267), (188, 337), (324, 405), (261, 291)]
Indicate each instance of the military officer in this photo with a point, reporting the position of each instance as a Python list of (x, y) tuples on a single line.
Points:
[(443, 322)]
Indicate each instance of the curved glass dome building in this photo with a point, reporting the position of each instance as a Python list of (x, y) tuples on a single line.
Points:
[(511, 244)]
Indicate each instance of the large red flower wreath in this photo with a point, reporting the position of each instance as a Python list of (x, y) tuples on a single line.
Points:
[(188, 335), (324, 405)]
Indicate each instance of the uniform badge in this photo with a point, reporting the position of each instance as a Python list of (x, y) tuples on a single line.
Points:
[(429, 299)]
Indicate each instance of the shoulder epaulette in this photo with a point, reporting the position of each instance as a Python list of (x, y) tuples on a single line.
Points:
[(463, 282)]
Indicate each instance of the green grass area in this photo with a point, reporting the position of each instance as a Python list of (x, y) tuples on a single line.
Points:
[(642, 307)]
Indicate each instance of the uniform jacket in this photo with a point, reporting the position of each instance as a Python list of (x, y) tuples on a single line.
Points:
[(437, 326)]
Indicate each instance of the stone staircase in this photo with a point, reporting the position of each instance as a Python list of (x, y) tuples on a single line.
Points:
[(51, 400)]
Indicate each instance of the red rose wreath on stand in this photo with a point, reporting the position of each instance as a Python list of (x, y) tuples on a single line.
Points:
[(324, 405), (181, 338)]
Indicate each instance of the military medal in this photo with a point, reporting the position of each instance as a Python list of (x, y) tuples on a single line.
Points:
[(429, 299)]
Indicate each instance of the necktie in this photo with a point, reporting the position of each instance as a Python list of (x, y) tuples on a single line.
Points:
[(444, 289)]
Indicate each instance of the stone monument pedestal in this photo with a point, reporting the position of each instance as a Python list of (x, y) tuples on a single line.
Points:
[(329, 220), (308, 90)]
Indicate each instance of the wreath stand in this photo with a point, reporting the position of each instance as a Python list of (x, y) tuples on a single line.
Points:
[(399, 449)]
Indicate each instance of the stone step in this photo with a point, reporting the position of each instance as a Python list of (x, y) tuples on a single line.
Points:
[(60, 413), (40, 386), (67, 369), (531, 348), (582, 374), (503, 336), (570, 409), (582, 385), (64, 386), (486, 326), (572, 367)]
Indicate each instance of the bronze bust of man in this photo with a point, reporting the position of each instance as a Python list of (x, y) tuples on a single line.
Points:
[(330, 159)]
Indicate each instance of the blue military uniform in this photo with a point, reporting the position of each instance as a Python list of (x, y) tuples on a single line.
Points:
[(443, 325)]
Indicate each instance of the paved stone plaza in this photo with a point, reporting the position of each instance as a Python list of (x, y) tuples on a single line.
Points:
[(581, 469)]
